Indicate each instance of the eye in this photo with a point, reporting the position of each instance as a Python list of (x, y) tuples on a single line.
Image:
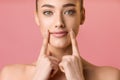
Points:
[(70, 12), (48, 13)]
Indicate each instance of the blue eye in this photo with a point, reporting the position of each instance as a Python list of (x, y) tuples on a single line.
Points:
[(70, 12), (48, 13)]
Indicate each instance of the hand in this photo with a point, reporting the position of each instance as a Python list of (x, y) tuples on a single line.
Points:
[(46, 66), (71, 65)]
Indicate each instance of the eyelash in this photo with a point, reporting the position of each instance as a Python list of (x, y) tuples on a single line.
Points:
[(68, 12), (50, 13)]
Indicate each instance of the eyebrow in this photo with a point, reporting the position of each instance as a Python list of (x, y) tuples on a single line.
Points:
[(48, 5), (69, 5), (65, 5)]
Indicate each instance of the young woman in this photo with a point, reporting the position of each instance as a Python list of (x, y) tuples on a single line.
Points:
[(59, 59)]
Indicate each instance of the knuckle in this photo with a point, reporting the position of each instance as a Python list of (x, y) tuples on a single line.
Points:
[(66, 57), (74, 58), (47, 60), (60, 64), (49, 63), (67, 63)]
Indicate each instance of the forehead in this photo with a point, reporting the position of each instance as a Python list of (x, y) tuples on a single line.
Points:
[(58, 3)]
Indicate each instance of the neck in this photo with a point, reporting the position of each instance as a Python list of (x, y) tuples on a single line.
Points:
[(59, 52)]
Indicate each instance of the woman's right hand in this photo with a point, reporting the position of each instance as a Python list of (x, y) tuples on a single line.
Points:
[(46, 65)]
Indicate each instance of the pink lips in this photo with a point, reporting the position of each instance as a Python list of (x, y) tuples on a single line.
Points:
[(59, 34)]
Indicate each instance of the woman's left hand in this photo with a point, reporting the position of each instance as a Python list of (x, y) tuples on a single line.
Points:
[(71, 65)]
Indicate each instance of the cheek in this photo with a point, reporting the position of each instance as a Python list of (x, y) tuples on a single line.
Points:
[(76, 30), (45, 25), (73, 24)]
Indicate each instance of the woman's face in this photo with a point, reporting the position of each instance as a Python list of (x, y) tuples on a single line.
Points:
[(59, 17)]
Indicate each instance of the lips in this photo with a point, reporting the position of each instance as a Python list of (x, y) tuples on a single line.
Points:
[(59, 34)]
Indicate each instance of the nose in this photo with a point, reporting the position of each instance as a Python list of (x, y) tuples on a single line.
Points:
[(59, 22)]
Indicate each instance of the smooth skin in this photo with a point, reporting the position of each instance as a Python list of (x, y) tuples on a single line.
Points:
[(59, 58)]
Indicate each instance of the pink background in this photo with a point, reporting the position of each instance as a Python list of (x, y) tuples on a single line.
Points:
[(99, 38)]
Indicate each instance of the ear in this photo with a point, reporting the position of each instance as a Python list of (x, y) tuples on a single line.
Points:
[(82, 16), (36, 18)]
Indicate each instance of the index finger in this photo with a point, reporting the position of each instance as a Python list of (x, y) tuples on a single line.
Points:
[(43, 50), (75, 48), (45, 44)]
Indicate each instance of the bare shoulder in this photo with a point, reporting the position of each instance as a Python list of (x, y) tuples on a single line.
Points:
[(107, 73), (94, 72), (15, 72)]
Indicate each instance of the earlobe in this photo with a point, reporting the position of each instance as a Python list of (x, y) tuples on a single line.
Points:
[(82, 16), (36, 19)]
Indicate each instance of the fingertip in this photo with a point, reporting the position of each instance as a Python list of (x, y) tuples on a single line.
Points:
[(72, 34), (47, 33), (71, 31)]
